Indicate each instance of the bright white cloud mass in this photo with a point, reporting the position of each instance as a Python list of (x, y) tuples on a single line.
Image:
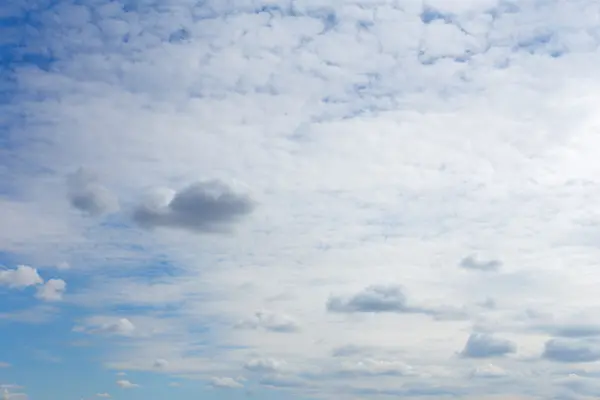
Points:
[(303, 199)]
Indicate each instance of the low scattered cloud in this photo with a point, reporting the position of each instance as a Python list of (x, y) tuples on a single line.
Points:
[(88, 195), (174, 384), (160, 363), (207, 206), (104, 395), (375, 367), (571, 351), (270, 321), (387, 299), (488, 371), (483, 345), (225, 383), (52, 290), (21, 277), (376, 299), (264, 365), (471, 263), (125, 384), (107, 325)]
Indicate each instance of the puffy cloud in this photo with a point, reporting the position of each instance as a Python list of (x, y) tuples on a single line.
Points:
[(471, 263), (488, 371), (21, 277), (375, 367), (372, 299), (125, 384), (206, 206), (263, 365), (89, 196), (387, 299), (483, 345), (225, 383), (52, 290), (270, 321), (571, 351)]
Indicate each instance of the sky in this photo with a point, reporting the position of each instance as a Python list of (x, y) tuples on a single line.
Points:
[(301, 199)]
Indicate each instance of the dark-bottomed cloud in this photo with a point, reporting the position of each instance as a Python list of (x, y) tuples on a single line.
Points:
[(483, 345), (88, 195), (571, 351), (387, 299), (207, 206), (471, 263)]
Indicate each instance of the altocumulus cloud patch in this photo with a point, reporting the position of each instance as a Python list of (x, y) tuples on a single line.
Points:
[(205, 206)]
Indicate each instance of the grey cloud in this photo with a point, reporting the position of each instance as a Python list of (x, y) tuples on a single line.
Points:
[(571, 351), (483, 345), (573, 330), (206, 206), (377, 298), (88, 195), (471, 263), (386, 299)]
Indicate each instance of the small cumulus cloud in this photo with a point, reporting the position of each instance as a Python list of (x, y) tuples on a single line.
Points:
[(125, 384), (263, 365), (471, 263), (488, 371), (376, 299), (88, 195), (52, 290), (110, 326), (225, 383), (104, 395), (374, 367), (21, 277), (270, 321), (174, 384), (207, 206), (483, 345), (571, 351), (160, 363)]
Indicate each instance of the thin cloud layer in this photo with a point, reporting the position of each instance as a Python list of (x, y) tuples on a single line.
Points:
[(206, 206), (382, 141)]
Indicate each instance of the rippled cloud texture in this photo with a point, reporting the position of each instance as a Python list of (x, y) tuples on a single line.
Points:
[(301, 199)]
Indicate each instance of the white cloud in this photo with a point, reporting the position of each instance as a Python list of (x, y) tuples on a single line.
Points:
[(270, 321), (263, 365), (225, 382), (125, 384), (160, 363), (20, 277), (104, 395), (381, 143), (52, 290), (107, 325)]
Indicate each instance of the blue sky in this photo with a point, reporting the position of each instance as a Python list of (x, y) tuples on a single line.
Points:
[(301, 199)]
